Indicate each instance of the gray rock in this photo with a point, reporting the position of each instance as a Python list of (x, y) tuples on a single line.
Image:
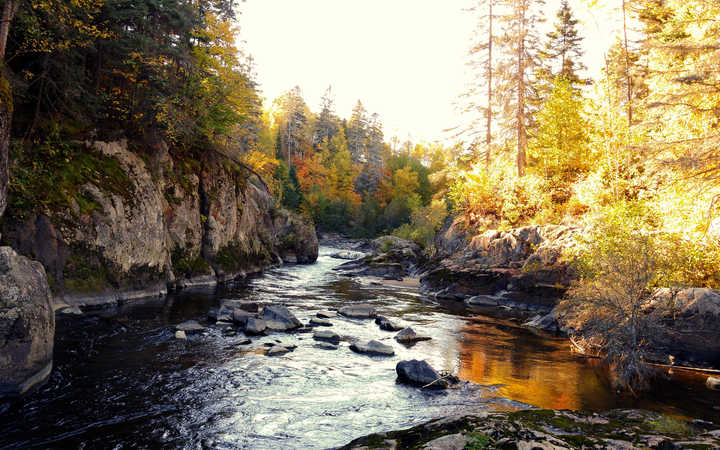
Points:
[(244, 342), (547, 322), (348, 254), (483, 300), (419, 373), (241, 316), (71, 311), (327, 335), (317, 322), (27, 324), (277, 350), (190, 327), (224, 315), (372, 348), (245, 305), (179, 334), (255, 326), (409, 336), (386, 324), (449, 442), (212, 314), (279, 318), (360, 311), (326, 314)]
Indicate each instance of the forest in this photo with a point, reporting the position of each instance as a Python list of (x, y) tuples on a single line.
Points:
[(633, 153)]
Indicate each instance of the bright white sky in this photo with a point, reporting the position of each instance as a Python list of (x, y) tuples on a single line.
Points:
[(405, 59)]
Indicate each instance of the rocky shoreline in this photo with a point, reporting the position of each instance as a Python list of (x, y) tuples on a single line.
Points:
[(548, 429)]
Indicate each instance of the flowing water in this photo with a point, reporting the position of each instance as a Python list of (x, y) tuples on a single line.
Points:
[(121, 379)]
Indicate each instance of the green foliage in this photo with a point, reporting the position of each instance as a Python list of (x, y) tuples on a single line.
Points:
[(425, 222), (50, 178), (478, 441), (291, 196), (185, 264)]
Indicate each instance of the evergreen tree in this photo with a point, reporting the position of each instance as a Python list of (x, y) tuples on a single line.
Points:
[(326, 124), (357, 133), (562, 55), (517, 95)]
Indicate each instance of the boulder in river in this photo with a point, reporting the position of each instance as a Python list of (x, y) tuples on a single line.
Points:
[(27, 324), (245, 305), (189, 327), (348, 254), (277, 350), (386, 324), (327, 336), (255, 326), (241, 316), (409, 336), (419, 373), (318, 322), (359, 311), (326, 314), (372, 348), (326, 346), (179, 334), (279, 318)]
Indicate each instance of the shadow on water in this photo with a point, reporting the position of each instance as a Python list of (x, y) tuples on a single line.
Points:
[(121, 378)]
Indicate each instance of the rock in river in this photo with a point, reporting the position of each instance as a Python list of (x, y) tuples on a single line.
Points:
[(241, 316), (27, 324), (327, 336), (326, 314), (255, 326), (179, 334), (279, 318), (360, 311), (409, 336), (189, 327), (419, 373), (386, 324), (277, 350), (318, 322), (372, 348)]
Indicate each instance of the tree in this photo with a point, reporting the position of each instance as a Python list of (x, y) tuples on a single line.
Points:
[(326, 125), (292, 120), (562, 55), (357, 132), (560, 148), (520, 44)]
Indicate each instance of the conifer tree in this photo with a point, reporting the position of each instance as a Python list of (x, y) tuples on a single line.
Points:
[(562, 54), (357, 132), (326, 124)]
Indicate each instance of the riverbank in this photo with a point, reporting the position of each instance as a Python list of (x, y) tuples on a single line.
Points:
[(547, 429)]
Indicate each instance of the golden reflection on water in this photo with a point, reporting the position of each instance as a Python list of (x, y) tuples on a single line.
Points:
[(533, 370)]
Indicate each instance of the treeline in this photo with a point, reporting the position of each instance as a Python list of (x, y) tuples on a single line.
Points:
[(343, 174), (551, 146)]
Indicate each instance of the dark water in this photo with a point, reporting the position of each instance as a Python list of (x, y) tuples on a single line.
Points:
[(123, 381)]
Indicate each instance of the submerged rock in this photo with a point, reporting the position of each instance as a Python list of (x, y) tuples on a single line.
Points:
[(327, 335), (360, 311), (279, 318), (409, 336), (419, 373), (71, 311), (372, 348), (326, 346), (190, 327), (386, 324)]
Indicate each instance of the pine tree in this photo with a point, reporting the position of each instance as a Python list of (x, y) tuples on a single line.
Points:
[(518, 97), (293, 124), (326, 124), (562, 55), (357, 132)]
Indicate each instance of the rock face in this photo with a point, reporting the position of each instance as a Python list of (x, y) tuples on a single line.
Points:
[(500, 267), (163, 221), (27, 324), (419, 373)]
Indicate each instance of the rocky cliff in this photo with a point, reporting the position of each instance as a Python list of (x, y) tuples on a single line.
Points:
[(149, 220), (497, 267)]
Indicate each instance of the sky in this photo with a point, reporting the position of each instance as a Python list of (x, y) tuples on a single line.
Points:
[(404, 59)]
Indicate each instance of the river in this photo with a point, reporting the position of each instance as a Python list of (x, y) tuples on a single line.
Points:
[(122, 380)]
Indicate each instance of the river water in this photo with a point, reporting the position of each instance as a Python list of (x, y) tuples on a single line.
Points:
[(122, 380)]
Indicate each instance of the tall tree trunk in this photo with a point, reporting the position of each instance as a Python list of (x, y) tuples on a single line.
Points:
[(6, 107), (628, 79), (7, 16), (521, 131), (488, 137)]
